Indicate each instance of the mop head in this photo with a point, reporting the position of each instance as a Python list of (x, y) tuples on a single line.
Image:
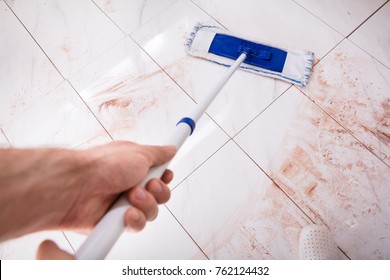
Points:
[(218, 45)]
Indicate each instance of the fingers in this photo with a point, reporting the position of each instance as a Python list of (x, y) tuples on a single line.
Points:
[(158, 155), (167, 176), (159, 190), (144, 201), (48, 250), (135, 219)]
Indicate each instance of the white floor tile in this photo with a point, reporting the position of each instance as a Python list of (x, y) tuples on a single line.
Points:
[(139, 90), (281, 22), (25, 248), (327, 173), (344, 16), (163, 238), (374, 35), (129, 15), (233, 211), (58, 119), (135, 100), (244, 96), (354, 88), (71, 32), (26, 74)]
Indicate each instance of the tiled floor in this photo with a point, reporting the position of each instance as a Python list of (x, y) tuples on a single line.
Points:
[(266, 160)]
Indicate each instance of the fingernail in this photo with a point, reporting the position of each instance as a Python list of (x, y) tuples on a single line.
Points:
[(156, 186), (140, 194)]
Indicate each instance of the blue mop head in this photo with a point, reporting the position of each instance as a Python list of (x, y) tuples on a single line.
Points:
[(220, 46)]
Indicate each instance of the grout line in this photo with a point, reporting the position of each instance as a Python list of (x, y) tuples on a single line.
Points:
[(347, 36), (300, 6), (201, 164), (48, 57), (189, 235), (173, 80), (367, 19), (325, 55), (97, 6), (177, 83), (36, 42), (258, 242), (5, 136), (273, 181), (71, 246), (342, 251), (153, 17), (343, 127), (373, 57), (117, 25), (262, 111), (162, 68), (313, 14), (287, 196), (90, 110), (207, 13), (59, 72)]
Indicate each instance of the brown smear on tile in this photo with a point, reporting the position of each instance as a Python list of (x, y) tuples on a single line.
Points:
[(298, 159), (383, 121), (310, 190), (333, 178), (273, 219), (232, 240), (339, 87), (128, 91), (116, 103), (178, 71), (266, 226)]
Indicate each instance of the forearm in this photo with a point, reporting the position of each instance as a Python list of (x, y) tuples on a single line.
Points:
[(30, 183)]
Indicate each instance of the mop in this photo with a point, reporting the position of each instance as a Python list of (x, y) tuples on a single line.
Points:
[(220, 46)]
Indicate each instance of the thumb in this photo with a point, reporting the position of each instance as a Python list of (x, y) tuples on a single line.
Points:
[(158, 155), (48, 250)]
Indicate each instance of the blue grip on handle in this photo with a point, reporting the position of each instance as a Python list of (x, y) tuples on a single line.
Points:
[(190, 122)]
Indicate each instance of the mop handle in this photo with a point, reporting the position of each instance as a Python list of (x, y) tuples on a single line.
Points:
[(111, 226)]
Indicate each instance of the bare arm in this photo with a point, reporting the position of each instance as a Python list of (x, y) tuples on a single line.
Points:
[(59, 188)]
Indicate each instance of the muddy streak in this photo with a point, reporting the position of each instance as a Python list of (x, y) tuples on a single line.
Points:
[(115, 103), (266, 226), (310, 190), (127, 91), (345, 89), (300, 158), (332, 177)]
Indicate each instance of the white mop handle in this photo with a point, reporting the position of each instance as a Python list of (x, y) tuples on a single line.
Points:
[(111, 226)]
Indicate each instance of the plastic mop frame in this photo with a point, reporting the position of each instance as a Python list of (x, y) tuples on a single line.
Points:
[(220, 46)]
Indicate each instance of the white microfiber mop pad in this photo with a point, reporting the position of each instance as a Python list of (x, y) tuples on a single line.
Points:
[(297, 66), (317, 243)]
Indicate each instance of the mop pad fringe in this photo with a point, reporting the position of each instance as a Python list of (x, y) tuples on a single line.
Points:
[(291, 73)]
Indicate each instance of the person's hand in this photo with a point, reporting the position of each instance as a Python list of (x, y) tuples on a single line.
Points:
[(112, 169), (65, 189)]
